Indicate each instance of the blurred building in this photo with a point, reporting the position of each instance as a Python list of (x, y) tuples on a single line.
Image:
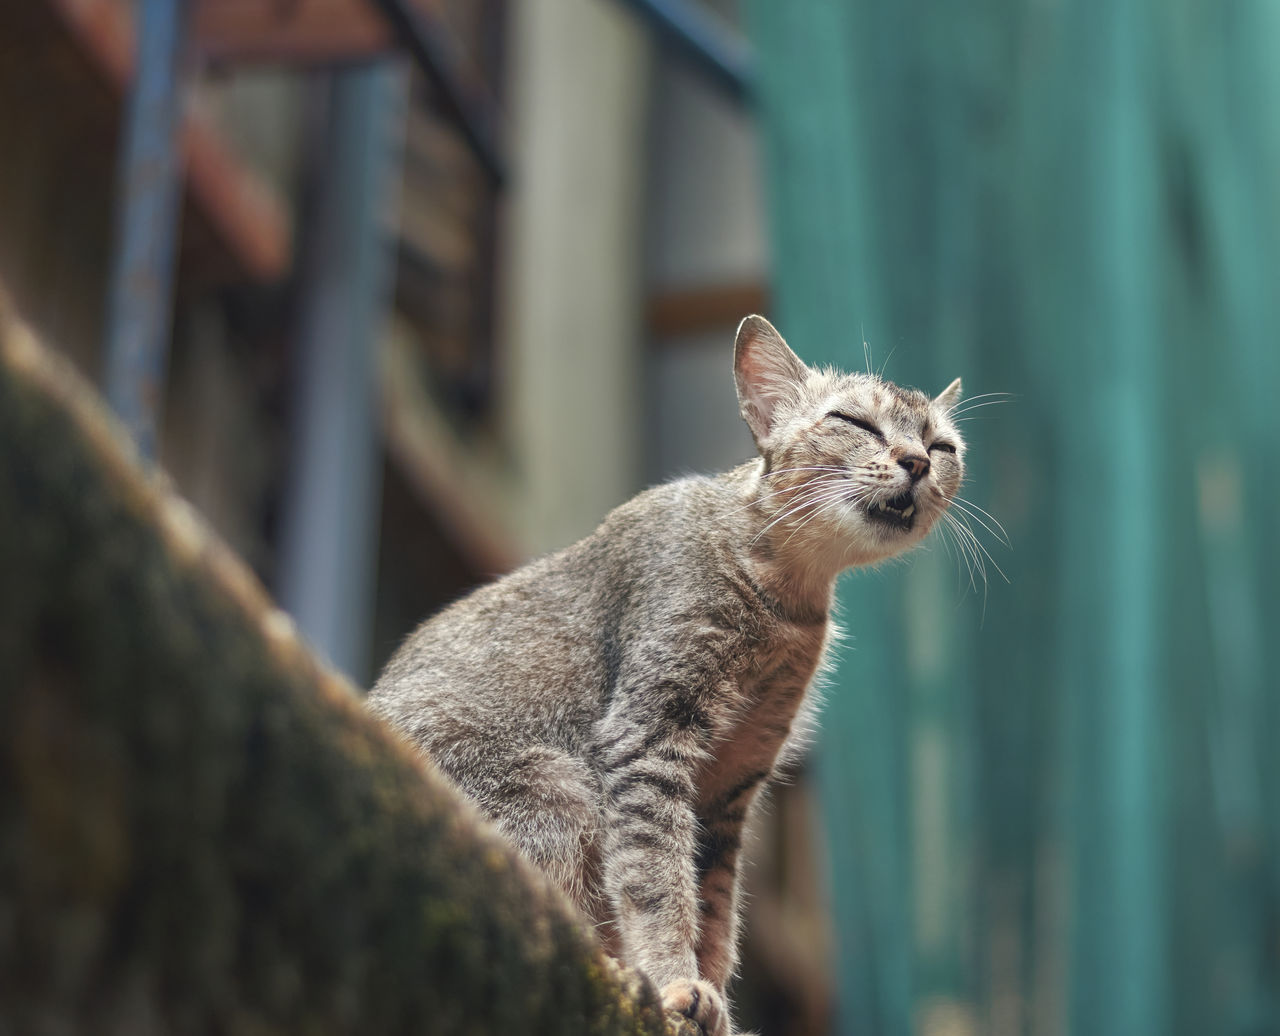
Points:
[(391, 374), (551, 344), (447, 290)]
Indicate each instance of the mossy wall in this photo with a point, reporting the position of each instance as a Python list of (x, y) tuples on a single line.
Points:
[(200, 829)]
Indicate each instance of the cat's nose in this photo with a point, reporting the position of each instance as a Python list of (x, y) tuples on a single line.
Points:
[(917, 465)]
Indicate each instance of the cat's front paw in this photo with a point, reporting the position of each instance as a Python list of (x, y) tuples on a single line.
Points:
[(699, 1002)]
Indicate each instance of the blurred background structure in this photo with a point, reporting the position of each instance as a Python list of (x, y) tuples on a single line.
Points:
[(419, 288)]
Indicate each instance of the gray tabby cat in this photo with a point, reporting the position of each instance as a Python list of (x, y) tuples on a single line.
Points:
[(616, 708)]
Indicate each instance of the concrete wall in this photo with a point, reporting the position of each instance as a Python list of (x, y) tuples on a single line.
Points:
[(572, 262), (704, 227)]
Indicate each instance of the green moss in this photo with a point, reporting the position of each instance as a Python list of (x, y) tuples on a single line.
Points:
[(205, 833)]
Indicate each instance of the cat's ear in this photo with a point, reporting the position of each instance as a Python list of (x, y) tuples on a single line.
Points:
[(766, 372), (949, 396)]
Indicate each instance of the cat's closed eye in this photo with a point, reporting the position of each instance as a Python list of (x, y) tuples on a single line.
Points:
[(866, 426), (945, 447)]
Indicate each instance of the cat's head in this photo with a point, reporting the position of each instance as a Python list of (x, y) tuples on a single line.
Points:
[(854, 465)]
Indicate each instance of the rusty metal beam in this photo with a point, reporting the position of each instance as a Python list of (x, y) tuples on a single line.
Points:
[(343, 31), (464, 98), (299, 32), (245, 216), (140, 307)]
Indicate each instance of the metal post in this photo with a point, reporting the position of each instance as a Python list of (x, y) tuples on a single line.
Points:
[(140, 306), (329, 542), (466, 102), (715, 51)]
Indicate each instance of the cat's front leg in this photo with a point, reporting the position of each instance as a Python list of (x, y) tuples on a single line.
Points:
[(650, 871), (700, 1002), (724, 818)]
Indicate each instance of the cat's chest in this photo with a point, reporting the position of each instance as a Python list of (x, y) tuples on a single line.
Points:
[(771, 701), (774, 686)]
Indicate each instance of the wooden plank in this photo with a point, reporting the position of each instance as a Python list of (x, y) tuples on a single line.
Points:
[(458, 484), (244, 214), (294, 31), (671, 313)]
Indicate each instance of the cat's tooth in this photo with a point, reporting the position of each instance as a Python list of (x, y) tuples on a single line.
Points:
[(909, 511)]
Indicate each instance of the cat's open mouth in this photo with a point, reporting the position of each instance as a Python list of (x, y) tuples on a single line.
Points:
[(899, 512)]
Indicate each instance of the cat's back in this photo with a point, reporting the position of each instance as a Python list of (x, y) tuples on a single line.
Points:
[(542, 645)]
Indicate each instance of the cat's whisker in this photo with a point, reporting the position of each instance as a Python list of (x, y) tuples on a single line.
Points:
[(966, 538), (963, 523), (777, 492), (968, 412), (841, 497), (804, 467), (880, 372), (958, 551), (977, 567), (967, 543), (811, 499), (965, 416), (963, 518), (827, 488), (946, 527), (813, 485), (976, 545), (793, 507), (961, 559), (968, 407), (817, 510), (977, 514), (975, 417), (973, 404), (963, 404)]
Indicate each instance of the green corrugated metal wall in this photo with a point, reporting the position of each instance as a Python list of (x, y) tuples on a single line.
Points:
[(1053, 808)]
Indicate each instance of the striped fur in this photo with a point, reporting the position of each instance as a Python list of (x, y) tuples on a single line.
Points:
[(617, 708)]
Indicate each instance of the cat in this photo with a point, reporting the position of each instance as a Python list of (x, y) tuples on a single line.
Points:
[(616, 708)]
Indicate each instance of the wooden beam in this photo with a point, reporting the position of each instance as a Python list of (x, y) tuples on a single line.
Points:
[(294, 30), (458, 484), (242, 211), (673, 312), (328, 31)]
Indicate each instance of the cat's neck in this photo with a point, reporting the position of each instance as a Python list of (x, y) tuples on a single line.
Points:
[(797, 571)]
